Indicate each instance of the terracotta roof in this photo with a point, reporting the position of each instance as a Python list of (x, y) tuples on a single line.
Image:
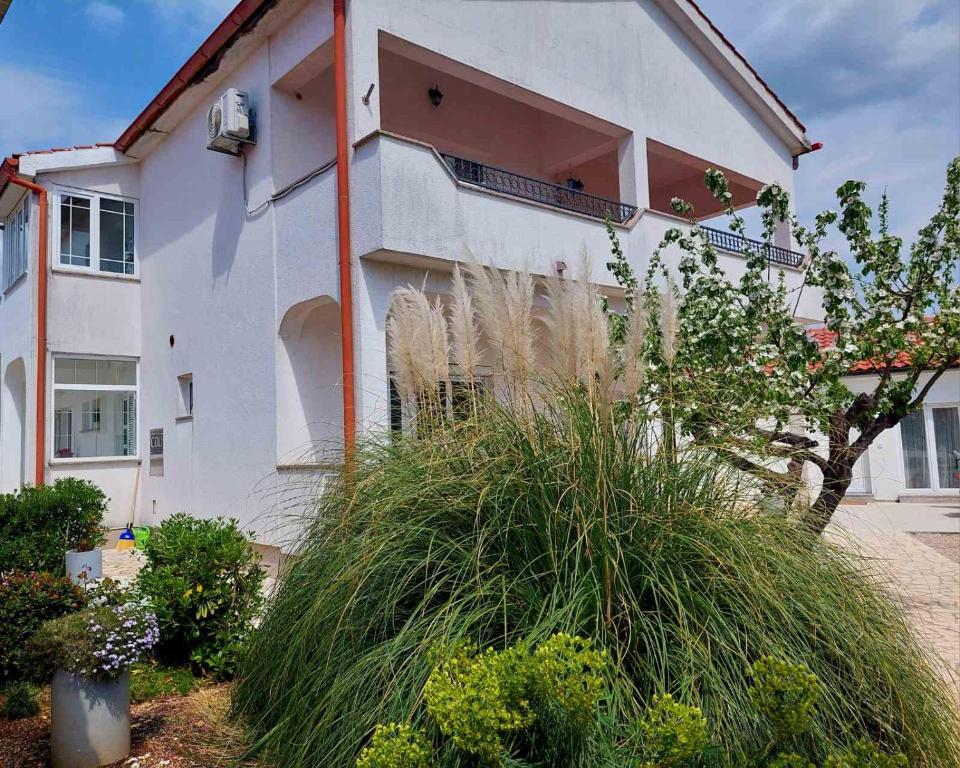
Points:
[(9, 167), (826, 338)]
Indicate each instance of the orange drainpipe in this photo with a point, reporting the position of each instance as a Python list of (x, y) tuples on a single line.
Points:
[(343, 226), (39, 458)]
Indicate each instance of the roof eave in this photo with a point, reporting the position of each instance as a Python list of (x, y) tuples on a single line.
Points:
[(737, 70), (243, 18)]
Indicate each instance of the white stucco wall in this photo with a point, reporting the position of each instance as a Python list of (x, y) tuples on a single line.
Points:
[(223, 283), (18, 374), (630, 66), (18, 371), (93, 313), (220, 281)]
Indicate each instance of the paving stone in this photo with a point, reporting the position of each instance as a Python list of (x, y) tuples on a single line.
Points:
[(927, 586)]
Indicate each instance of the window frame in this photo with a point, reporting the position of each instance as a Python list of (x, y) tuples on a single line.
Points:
[(400, 420), (930, 441), (24, 240), (94, 268), (184, 397), (51, 409)]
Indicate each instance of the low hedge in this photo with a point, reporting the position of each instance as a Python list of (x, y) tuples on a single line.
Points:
[(38, 524), (27, 600)]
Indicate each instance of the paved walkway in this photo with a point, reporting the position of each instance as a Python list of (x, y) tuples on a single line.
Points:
[(925, 582), (121, 563)]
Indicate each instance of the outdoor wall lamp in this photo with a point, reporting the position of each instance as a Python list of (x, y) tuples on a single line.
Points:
[(436, 95)]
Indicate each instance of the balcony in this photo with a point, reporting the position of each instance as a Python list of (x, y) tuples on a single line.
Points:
[(555, 195), (734, 243)]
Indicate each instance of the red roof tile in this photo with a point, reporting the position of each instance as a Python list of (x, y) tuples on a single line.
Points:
[(826, 338)]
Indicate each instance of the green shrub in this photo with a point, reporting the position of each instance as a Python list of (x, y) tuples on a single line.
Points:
[(786, 694), (865, 754), (39, 524), (522, 523), (671, 733), (20, 700), (790, 760), (568, 674), (478, 699), (396, 746), (27, 600), (203, 580)]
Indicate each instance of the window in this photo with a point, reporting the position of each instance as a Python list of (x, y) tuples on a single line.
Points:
[(185, 385), (98, 233), (930, 438), (457, 404), (116, 236), (16, 242), (94, 408), (75, 231), (946, 433)]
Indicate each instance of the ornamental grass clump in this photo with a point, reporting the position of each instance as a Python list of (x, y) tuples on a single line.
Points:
[(564, 506), (19, 700)]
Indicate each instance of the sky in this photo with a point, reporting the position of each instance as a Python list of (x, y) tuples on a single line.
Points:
[(877, 81)]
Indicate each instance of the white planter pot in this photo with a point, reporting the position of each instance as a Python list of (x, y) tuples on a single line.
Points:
[(89, 720), (84, 566)]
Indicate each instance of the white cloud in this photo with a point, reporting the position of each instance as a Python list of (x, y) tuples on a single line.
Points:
[(105, 15), (39, 110), (875, 80)]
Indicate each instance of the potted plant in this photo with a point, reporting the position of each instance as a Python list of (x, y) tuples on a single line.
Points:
[(90, 653), (84, 563)]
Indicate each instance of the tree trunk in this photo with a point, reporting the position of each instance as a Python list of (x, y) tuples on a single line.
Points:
[(836, 479)]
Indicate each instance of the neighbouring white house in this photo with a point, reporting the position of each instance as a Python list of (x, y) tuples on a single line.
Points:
[(919, 458), (197, 330)]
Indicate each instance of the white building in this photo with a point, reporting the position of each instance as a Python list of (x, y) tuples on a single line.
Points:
[(190, 299), (920, 457)]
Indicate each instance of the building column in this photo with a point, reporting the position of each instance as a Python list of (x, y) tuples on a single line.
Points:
[(371, 304)]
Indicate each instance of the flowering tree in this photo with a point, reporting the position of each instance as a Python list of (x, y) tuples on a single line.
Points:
[(742, 377)]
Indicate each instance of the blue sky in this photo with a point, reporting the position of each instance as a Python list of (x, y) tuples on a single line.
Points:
[(878, 81)]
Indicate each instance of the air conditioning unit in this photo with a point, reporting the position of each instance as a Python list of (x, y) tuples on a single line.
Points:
[(230, 122)]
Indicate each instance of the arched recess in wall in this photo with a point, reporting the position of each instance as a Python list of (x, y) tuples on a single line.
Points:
[(14, 431), (309, 383)]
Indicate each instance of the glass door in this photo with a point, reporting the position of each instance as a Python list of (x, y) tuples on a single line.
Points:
[(946, 431), (930, 438), (916, 461)]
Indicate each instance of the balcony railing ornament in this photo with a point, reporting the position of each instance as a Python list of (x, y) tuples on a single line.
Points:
[(730, 241), (555, 195)]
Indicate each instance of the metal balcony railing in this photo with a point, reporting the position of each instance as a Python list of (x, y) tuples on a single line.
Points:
[(509, 183), (729, 241)]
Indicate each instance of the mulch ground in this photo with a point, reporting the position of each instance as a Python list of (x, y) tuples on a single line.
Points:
[(171, 732)]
